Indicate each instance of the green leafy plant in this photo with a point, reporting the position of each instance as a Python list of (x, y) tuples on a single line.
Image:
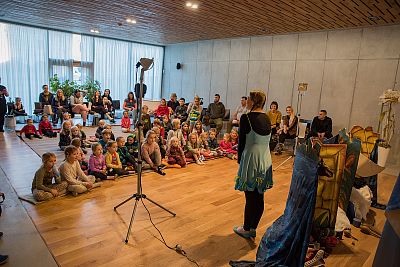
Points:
[(90, 87), (67, 87)]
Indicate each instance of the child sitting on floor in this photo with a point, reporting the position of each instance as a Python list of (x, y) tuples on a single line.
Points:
[(106, 138), (198, 128), (151, 152), (234, 139), (100, 128), (157, 123), (43, 187), (132, 145), (175, 154), (97, 163), (226, 147), (67, 117), (193, 149), (113, 162), (204, 147), (177, 132), (126, 122), (160, 141), (76, 142), (194, 116), (65, 135), (45, 127), (213, 143), (166, 124), (109, 127), (30, 130), (146, 123), (76, 134), (185, 131), (127, 160), (70, 171)]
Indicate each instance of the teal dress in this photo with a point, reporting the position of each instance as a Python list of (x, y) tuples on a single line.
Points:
[(255, 167)]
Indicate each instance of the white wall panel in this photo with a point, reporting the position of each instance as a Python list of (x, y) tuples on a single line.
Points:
[(260, 48), (307, 72), (284, 47), (221, 50), (219, 79), (188, 79), (203, 80), (240, 49), (204, 50), (236, 84), (281, 82), (190, 52), (380, 42), (343, 44), (312, 45), (176, 54), (373, 77), (337, 91), (258, 75)]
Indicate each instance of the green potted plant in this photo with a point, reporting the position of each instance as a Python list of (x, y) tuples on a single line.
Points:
[(386, 123), (67, 87), (89, 87)]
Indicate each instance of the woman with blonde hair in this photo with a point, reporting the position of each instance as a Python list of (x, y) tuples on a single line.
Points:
[(60, 106), (255, 165)]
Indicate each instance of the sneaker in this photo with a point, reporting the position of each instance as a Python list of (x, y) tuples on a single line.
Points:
[(159, 171), (243, 233), (313, 262), (97, 184), (75, 194), (198, 162)]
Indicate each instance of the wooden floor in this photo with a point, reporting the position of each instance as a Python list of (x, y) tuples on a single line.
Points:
[(86, 231)]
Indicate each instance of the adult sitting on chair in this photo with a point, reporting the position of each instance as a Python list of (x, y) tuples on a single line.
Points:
[(46, 99), (76, 101), (321, 126), (289, 129), (107, 93), (60, 106), (18, 108), (275, 117), (97, 103), (216, 111), (240, 110)]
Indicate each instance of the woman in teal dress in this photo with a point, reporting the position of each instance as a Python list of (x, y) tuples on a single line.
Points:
[(255, 165)]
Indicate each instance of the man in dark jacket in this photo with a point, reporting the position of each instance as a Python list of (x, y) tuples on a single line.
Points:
[(216, 111), (3, 105), (321, 125)]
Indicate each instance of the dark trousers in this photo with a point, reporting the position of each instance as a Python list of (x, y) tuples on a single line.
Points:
[(176, 160), (117, 171), (253, 210), (283, 136), (2, 114), (100, 175), (49, 133), (30, 136)]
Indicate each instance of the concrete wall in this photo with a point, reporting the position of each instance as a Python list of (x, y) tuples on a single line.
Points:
[(345, 70)]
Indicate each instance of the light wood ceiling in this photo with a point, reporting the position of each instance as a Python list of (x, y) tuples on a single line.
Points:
[(170, 21)]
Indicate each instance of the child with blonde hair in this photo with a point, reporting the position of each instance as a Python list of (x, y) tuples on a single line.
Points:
[(198, 128), (100, 128), (43, 187), (109, 127), (151, 152), (176, 131), (204, 147), (160, 141), (234, 139), (175, 154), (193, 149), (76, 134), (70, 171), (226, 147), (113, 162), (65, 135)]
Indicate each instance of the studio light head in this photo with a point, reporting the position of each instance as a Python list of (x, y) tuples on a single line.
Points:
[(146, 63)]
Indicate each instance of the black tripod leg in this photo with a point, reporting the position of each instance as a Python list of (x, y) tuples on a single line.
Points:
[(132, 217), (155, 203), (122, 203)]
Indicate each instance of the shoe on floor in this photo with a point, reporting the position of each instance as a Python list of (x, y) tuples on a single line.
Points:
[(3, 259), (243, 233), (313, 262)]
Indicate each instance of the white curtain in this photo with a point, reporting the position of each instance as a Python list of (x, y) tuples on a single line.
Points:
[(112, 66), (23, 62), (87, 55), (152, 78), (61, 55)]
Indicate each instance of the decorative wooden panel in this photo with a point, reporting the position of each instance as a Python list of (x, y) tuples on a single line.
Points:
[(169, 21)]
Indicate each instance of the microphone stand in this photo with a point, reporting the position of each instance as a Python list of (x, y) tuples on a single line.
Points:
[(139, 191)]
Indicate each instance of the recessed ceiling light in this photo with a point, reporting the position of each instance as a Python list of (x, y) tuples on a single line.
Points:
[(195, 6), (94, 31), (192, 5), (131, 21), (188, 4)]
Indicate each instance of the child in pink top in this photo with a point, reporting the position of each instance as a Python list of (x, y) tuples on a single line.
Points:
[(126, 123), (226, 146)]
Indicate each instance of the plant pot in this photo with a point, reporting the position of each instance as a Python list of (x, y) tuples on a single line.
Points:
[(383, 154)]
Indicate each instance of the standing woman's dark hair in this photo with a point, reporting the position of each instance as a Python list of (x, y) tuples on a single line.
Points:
[(254, 176)]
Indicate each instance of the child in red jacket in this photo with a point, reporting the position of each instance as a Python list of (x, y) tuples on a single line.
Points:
[(30, 130), (126, 123), (45, 127)]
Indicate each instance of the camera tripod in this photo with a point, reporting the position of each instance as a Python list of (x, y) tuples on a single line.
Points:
[(138, 196)]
